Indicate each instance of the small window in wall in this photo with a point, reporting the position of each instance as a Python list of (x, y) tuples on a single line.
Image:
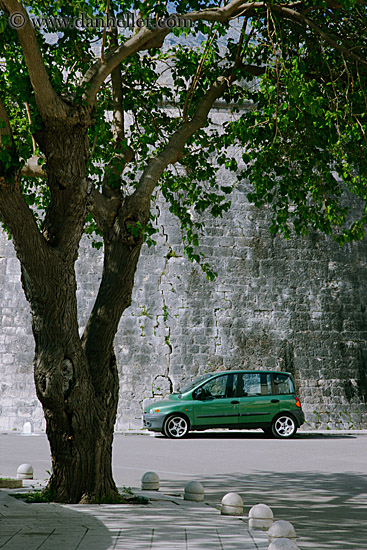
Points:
[(283, 384)]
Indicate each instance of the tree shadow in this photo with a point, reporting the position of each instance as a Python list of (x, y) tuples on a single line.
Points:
[(50, 525), (234, 434), (327, 510)]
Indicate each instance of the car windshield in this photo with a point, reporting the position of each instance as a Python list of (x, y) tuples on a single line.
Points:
[(195, 382)]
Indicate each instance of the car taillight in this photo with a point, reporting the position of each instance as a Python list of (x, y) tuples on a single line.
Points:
[(298, 402)]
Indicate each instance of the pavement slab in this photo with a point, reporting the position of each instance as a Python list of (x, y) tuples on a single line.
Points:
[(160, 525)]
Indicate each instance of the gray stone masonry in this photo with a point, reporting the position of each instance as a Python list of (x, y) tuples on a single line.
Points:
[(296, 305)]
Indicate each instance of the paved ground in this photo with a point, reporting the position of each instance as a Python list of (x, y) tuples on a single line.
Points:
[(170, 525), (316, 481)]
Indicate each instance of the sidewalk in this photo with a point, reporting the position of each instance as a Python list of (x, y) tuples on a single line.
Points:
[(166, 523)]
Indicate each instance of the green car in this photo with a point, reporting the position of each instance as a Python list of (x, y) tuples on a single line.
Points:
[(232, 399)]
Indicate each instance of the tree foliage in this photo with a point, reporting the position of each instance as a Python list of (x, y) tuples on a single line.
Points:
[(300, 66), (95, 119)]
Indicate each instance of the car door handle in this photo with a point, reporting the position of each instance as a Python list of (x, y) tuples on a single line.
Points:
[(234, 402), (275, 401)]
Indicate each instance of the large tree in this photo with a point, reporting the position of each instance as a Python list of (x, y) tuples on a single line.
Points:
[(93, 120)]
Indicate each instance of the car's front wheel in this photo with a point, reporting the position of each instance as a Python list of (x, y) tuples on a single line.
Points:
[(284, 426), (175, 426)]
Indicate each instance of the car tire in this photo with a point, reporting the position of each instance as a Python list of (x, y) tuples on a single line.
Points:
[(176, 426), (284, 426)]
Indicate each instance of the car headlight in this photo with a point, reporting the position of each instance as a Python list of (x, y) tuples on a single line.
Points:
[(154, 411)]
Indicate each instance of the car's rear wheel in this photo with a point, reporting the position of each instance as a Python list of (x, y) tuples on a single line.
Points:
[(284, 426), (175, 426)]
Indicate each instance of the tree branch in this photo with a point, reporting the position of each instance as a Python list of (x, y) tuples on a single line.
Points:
[(15, 213), (174, 150), (230, 11), (48, 102), (143, 40), (104, 210), (122, 245), (293, 14), (5, 129), (122, 152), (148, 38)]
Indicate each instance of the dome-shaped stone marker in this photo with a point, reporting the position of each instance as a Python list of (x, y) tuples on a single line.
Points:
[(283, 544), (25, 471), (194, 491), (232, 505), (260, 517), (27, 428), (282, 529), (150, 481)]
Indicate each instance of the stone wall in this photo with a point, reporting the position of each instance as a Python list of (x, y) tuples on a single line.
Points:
[(297, 305)]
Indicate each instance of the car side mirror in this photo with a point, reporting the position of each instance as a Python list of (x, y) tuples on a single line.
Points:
[(199, 394)]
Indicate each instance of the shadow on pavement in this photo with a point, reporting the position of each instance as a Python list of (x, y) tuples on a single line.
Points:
[(328, 511), (49, 526), (260, 435)]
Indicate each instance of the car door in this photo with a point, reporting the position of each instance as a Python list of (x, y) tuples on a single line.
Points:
[(284, 391), (215, 404), (257, 404)]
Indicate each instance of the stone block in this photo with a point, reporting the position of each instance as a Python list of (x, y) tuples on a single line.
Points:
[(232, 505), (25, 471), (282, 529), (194, 491), (150, 481), (260, 517)]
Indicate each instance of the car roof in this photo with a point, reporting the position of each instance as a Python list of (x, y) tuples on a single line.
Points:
[(252, 371)]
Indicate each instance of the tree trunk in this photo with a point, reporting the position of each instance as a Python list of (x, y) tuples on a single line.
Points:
[(80, 436), (80, 415), (80, 426), (76, 378), (80, 412)]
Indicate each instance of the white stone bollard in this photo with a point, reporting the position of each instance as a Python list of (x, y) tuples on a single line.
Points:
[(150, 482), (282, 529), (25, 471), (194, 491), (232, 505), (27, 428), (260, 517), (283, 544)]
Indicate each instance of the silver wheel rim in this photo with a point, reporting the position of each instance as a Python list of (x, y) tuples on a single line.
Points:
[(284, 426), (176, 426)]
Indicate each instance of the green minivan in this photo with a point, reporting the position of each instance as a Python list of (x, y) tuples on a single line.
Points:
[(233, 399)]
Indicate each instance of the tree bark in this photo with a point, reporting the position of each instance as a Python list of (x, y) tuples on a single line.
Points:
[(76, 378), (77, 386), (78, 392), (80, 416)]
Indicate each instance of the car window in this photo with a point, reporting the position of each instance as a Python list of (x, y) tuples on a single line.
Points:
[(283, 384), (266, 388), (219, 387), (251, 384), (255, 383), (194, 383)]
